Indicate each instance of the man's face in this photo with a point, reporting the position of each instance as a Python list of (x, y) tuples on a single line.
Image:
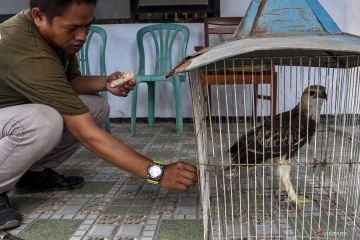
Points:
[(69, 31)]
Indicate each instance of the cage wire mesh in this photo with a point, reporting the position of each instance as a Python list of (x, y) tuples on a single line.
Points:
[(248, 199)]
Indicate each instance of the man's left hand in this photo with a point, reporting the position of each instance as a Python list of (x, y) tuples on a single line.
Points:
[(122, 90)]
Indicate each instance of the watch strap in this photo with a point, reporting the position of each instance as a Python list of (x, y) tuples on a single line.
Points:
[(158, 162), (154, 182)]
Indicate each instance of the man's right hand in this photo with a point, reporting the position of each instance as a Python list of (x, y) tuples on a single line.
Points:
[(179, 176)]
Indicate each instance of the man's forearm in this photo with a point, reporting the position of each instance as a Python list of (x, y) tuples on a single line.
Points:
[(105, 145), (177, 175), (117, 153), (88, 84)]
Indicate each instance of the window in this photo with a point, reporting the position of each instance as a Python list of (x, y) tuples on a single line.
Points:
[(174, 10)]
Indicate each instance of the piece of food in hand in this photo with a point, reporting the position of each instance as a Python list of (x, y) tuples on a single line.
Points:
[(126, 77)]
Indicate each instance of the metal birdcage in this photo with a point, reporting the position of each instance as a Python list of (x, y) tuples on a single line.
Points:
[(294, 52)]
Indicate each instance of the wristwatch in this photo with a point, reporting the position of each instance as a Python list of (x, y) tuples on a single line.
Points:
[(155, 172)]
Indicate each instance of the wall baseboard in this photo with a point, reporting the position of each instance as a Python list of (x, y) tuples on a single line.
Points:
[(144, 120), (231, 119)]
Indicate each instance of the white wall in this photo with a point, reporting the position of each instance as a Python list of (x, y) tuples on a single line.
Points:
[(13, 6), (122, 54), (233, 8), (112, 9)]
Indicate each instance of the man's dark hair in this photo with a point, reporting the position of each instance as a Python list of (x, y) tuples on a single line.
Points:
[(53, 8)]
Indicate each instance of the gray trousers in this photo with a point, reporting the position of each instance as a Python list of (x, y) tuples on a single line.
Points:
[(32, 136)]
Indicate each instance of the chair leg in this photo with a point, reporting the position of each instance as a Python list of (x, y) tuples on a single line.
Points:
[(107, 126), (133, 109), (151, 103), (178, 107)]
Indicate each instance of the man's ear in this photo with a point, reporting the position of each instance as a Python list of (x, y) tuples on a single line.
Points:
[(39, 17)]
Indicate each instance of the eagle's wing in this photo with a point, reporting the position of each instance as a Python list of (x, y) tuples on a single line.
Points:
[(291, 130), (285, 134), (239, 149)]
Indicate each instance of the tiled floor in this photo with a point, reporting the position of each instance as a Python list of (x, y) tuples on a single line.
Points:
[(114, 204)]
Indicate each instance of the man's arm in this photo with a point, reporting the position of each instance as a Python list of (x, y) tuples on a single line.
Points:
[(176, 176), (88, 84), (95, 84)]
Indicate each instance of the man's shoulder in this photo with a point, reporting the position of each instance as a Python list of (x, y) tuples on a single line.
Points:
[(16, 23), (20, 42), (19, 35)]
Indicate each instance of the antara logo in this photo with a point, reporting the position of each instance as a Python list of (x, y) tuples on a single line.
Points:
[(320, 233)]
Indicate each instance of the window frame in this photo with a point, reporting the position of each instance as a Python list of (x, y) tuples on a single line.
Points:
[(212, 9)]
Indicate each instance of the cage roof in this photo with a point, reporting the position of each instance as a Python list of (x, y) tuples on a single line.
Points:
[(279, 28)]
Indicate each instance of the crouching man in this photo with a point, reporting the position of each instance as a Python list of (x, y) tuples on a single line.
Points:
[(47, 109)]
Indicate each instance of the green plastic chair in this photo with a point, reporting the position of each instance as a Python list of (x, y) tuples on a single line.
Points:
[(83, 59), (164, 37)]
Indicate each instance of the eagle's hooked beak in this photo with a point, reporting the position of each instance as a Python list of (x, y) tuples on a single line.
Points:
[(323, 95)]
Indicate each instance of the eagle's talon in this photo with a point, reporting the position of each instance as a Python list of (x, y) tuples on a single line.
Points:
[(281, 190), (300, 201)]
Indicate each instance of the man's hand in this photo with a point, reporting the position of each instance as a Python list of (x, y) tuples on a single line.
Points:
[(179, 176), (121, 91)]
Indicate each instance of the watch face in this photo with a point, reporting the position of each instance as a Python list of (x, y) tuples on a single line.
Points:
[(155, 171)]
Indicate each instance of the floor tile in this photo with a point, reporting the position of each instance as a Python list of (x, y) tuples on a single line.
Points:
[(132, 230), (116, 209), (144, 210), (26, 204), (77, 201), (186, 210), (69, 210), (102, 230), (180, 229), (51, 229), (109, 219), (93, 188)]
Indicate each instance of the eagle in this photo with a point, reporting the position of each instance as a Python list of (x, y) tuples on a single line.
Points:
[(280, 137)]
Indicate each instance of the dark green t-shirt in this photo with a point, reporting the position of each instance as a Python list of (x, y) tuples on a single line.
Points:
[(31, 71)]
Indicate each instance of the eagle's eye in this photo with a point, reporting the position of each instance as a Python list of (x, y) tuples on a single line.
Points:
[(312, 93)]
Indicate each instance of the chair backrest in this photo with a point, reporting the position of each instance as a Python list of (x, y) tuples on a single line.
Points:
[(164, 36), (83, 54), (220, 26)]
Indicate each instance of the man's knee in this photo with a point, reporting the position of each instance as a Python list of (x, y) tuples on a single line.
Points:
[(104, 109), (45, 124), (98, 107)]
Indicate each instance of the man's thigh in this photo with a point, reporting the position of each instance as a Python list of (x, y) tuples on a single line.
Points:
[(27, 133)]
